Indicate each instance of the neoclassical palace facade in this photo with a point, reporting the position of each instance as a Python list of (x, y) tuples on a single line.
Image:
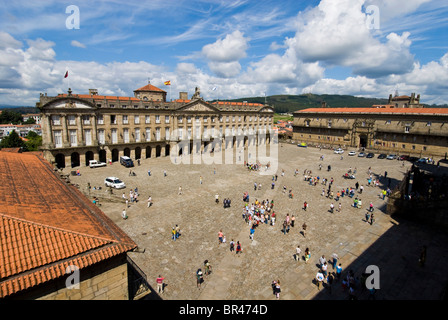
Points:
[(77, 128), (402, 126)]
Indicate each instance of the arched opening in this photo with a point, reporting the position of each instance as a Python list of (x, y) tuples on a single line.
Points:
[(158, 151), (74, 159), (167, 150), (60, 161), (114, 155), (89, 156), (138, 153), (148, 152), (362, 141), (103, 157), (127, 152)]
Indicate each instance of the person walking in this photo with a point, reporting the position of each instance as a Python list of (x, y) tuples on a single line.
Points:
[(238, 247), (124, 215), (322, 260), (208, 267), (305, 205), (372, 219), (180, 190), (149, 201), (232, 245), (160, 284), (304, 226)]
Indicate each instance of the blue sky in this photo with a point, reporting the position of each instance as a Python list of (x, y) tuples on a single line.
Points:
[(243, 48)]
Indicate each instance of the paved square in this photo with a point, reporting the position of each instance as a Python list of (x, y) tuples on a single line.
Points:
[(394, 246)]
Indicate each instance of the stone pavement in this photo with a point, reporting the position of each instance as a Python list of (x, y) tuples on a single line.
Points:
[(392, 245)]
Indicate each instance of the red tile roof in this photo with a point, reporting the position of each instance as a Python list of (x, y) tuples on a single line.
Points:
[(149, 87), (428, 111), (47, 225)]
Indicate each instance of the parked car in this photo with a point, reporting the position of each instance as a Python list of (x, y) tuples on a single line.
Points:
[(370, 155), (352, 153), (96, 163), (114, 182), (338, 151), (382, 156), (391, 157), (126, 161), (412, 159), (423, 160), (403, 158), (361, 154)]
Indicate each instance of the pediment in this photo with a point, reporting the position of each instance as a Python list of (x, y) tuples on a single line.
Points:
[(68, 104), (200, 106), (267, 109)]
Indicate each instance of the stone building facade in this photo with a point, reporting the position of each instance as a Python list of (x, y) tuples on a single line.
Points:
[(402, 127), (77, 128)]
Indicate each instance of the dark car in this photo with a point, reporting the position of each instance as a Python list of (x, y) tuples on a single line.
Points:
[(382, 156), (370, 155), (413, 159)]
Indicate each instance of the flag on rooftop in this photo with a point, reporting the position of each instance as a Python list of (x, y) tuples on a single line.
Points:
[(167, 83)]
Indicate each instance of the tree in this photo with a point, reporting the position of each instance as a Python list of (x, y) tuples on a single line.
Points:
[(12, 141), (8, 116), (34, 141)]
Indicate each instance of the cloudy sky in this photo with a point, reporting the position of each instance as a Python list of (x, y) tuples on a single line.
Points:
[(227, 48)]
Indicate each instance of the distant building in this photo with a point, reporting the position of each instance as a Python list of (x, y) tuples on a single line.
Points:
[(77, 128), (21, 129), (49, 231), (402, 126), (35, 116)]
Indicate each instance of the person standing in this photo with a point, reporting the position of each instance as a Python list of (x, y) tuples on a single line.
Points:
[(330, 282), (335, 260), (124, 215), (322, 260), (220, 235), (307, 255), (232, 245), (304, 226), (180, 190), (277, 289), (298, 252), (339, 207), (199, 278), (251, 233), (338, 272), (305, 205), (149, 201), (372, 219), (319, 279), (160, 284)]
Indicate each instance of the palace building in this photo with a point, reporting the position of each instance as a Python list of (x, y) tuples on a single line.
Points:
[(402, 126), (77, 128)]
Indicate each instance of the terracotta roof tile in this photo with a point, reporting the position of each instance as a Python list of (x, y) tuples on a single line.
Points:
[(149, 87), (46, 225), (429, 111)]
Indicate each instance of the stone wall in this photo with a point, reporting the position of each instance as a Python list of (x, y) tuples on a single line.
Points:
[(104, 281)]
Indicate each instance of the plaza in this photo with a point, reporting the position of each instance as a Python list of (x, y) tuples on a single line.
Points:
[(392, 245)]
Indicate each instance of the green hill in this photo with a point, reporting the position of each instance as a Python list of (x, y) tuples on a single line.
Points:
[(291, 103)]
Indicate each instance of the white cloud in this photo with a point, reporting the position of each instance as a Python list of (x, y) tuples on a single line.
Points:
[(336, 33), (78, 44), (232, 48)]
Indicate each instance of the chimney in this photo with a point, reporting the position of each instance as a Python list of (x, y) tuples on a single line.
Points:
[(183, 95), (93, 92)]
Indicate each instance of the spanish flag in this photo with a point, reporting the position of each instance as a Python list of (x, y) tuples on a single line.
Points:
[(167, 83)]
